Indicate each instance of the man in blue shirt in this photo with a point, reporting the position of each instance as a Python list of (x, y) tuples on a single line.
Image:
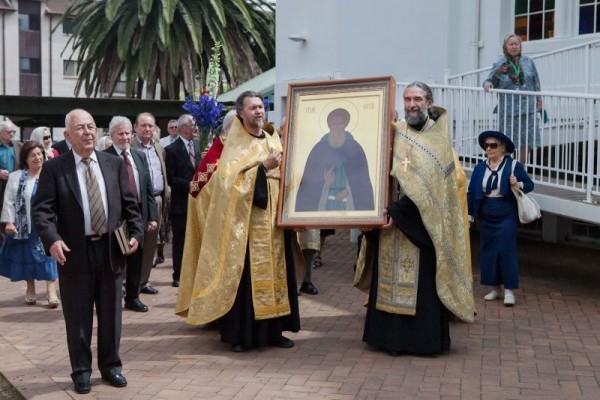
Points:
[(9, 159)]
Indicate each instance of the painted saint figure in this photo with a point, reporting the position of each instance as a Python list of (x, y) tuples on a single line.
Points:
[(336, 175)]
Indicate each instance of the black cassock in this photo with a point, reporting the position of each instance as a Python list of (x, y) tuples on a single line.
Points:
[(239, 326), (427, 332)]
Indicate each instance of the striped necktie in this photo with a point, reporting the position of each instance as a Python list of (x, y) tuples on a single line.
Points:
[(192, 153), (97, 217)]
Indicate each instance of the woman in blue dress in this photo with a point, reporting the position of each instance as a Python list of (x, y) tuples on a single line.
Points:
[(517, 113), (492, 203), (22, 256)]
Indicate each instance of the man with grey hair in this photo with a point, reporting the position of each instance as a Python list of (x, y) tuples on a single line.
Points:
[(9, 159), (140, 183), (155, 156), (183, 156), (434, 270)]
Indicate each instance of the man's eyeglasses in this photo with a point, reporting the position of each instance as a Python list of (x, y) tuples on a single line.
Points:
[(490, 145), (172, 127), (46, 137), (10, 132)]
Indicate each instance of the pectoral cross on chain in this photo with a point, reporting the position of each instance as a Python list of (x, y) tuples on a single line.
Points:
[(405, 163)]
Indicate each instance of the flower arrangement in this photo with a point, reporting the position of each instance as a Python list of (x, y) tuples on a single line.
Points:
[(207, 110)]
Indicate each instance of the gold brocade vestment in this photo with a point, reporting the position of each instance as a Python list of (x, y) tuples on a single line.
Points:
[(432, 182), (222, 225)]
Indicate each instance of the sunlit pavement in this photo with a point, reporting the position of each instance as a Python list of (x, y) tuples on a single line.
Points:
[(546, 347)]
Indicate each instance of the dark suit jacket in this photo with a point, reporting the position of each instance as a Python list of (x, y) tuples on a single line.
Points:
[(17, 148), (58, 213), (146, 195), (180, 172), (61, 146)]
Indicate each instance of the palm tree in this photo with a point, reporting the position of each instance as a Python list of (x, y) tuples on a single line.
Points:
[(168, 42)]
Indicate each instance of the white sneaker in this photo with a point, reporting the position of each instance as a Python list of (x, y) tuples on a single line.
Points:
[(493, 295), (509, 299)]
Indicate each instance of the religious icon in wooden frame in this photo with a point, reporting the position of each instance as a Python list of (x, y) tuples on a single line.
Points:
[(337, 152)]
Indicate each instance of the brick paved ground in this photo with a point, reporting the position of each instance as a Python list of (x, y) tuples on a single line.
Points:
[(547, 347)]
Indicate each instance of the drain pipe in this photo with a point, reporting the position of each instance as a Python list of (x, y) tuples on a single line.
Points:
[(3, 54)]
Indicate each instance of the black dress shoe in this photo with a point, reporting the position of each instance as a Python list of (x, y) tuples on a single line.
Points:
[(159, 260), (238, 348), (116, 380), (175, 284), (308, 288), (136, 305), (282, 342), (82, 385), (148, 290)]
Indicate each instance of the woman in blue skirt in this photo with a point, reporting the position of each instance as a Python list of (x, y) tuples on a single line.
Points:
[(22, 256), (492, 203)]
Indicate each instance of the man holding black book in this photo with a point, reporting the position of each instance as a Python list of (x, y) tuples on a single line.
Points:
[(82, 197), (140, 183)]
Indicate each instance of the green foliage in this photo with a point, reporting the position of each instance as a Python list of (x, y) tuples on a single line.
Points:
[(168, 43)]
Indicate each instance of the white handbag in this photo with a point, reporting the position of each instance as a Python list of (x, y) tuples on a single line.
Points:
[(529, 209)]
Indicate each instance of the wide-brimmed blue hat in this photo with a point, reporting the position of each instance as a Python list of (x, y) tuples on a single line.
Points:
[(510, 146)]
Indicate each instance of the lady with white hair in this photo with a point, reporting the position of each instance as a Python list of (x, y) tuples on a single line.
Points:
[(42, 136)]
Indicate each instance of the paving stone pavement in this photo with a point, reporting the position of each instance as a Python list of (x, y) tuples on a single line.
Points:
[(546, 347)]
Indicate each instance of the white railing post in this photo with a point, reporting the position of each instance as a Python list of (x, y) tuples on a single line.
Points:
[(586, 68), (589, 174)]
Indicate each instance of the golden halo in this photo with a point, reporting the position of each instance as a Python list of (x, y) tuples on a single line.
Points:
[(345, 104)]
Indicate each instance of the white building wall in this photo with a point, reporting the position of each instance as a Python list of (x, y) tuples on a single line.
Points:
[(410, 40)]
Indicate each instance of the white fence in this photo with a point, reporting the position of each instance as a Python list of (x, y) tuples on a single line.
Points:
[(566, 156), (574, 69)]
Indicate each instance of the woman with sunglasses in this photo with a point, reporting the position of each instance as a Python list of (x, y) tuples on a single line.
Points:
[(492, 203), (43, 137)]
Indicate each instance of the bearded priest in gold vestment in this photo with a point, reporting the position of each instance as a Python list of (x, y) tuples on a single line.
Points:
[(417, 268), (237, 264)]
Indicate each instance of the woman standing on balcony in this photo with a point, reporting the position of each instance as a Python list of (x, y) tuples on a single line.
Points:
[(492, 203), (517, 113)]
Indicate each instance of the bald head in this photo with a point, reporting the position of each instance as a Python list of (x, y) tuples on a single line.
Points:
[(80, 131)]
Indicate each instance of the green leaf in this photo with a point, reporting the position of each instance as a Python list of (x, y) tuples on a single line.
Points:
[(111, 9)]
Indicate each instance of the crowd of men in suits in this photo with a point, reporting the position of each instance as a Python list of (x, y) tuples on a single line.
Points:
[(163, 169)]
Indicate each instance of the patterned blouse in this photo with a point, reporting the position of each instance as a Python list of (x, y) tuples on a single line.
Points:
[(502, 77)]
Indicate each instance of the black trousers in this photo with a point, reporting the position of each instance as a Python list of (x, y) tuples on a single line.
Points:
[(178, 223), (94, 283), (133, 275)]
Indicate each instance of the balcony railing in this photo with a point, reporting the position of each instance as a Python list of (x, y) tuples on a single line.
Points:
[(567, 155), (574, 69)]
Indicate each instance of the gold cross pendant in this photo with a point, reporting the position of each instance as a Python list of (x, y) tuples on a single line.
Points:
[(405, 163)]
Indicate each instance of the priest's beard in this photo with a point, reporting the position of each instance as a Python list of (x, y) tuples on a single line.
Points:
[(417, 119)]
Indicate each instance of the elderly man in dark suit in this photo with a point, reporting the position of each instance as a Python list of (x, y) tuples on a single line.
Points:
[(121, 133), (183, 156), (82, 197), (9, 158)]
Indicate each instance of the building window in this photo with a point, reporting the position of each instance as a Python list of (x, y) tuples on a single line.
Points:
[(67, 26), (30, 65), (70, 68), (589, 16), (534, 19), (29, 22)]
